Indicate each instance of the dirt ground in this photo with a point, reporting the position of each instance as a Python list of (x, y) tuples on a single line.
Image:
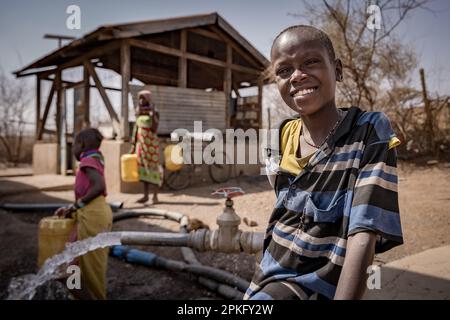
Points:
[(424, 204)]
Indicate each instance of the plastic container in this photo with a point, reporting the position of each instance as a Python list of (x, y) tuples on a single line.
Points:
[(54, 233), (173, 157), (129, 168)]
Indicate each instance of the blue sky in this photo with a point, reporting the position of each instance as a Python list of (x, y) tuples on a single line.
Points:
[(24, 22)]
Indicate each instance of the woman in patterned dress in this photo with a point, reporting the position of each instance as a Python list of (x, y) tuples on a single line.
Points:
[(145, 144)]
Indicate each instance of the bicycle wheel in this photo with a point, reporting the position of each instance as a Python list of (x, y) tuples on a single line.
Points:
[(220, 173), (178, 180)]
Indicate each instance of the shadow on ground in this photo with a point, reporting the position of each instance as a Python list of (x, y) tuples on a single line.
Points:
[(401, 284)]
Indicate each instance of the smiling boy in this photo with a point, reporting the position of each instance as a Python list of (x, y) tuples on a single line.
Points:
[(336, 184)]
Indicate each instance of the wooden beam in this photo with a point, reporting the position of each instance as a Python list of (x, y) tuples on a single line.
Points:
[(46, 111), (113, 115), (158, 26), (94, 53), (182, 63), (86, 97), (206, 33), (42, 73), (125, 71), (155, 47), (227, 83), (71, 84), (38, 104), (191, 56), (153, 78), (235, 47)]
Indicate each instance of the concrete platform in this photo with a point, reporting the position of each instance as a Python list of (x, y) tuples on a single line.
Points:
[(421, 276)]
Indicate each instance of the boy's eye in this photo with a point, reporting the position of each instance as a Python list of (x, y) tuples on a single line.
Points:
[(282, 72), (311, 61)]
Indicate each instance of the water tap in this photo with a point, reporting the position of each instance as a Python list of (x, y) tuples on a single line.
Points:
[(226, 238)]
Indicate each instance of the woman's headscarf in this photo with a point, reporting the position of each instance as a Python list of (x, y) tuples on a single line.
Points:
[(147, 94)]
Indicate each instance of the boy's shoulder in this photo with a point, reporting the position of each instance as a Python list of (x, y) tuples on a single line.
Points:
[(373, 117), (375, 124)]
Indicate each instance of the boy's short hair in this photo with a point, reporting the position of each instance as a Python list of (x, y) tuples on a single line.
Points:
[(91, 138), (310, 33)]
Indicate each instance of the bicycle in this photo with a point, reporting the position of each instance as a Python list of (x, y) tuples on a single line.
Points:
[(182, 178)]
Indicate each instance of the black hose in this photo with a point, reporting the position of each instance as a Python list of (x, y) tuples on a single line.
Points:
[(152, 260), (188, 254)]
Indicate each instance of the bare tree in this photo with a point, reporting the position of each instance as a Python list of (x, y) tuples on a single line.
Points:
[(373, 59), (15, 98)]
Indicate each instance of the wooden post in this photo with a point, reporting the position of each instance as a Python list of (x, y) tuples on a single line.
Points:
[(58, 118), (227, 83), (125, 71), (58, 88), (38, 105), (428, 119), (86, 97), (182, 61), (260, 93)]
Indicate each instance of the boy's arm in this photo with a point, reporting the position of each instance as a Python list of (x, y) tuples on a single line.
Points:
[(97, 185), (359, 255)]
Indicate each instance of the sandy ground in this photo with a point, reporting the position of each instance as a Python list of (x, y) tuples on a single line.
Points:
[(424, 204)]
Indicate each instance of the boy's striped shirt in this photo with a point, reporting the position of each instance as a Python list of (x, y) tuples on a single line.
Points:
[(348, 186)]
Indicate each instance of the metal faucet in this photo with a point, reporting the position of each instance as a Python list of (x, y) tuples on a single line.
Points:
[(227, 238)]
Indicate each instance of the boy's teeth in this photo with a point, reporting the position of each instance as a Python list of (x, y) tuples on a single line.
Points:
[(304, 91)]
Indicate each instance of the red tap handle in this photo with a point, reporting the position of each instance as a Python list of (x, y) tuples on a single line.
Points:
[(229, 192)]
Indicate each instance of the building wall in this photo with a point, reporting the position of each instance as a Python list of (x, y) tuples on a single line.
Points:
[(180, 107)]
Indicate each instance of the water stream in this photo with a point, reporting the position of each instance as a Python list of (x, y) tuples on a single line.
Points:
[(24, 287)]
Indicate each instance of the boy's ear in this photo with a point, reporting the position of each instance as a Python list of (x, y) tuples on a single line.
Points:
[(338, 70)]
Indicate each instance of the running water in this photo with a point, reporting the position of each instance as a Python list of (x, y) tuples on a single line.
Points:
[(24, 287)]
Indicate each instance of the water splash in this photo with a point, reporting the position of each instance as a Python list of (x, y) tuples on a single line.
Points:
[(24, 287)]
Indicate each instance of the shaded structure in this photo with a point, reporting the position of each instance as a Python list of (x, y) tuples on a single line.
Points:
[(193, 65)]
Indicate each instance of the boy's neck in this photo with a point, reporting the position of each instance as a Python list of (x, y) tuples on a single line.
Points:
[(318, 125)]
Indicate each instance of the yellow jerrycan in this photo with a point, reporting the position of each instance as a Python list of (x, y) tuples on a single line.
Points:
[(129, 168), (173, 157), (54, 232)]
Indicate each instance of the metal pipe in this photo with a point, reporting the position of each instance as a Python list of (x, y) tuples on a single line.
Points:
[(155, 238), (171, 215), (202, 239)]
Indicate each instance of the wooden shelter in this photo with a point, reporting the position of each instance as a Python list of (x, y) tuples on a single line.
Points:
[(198, 52), (193, 64)]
